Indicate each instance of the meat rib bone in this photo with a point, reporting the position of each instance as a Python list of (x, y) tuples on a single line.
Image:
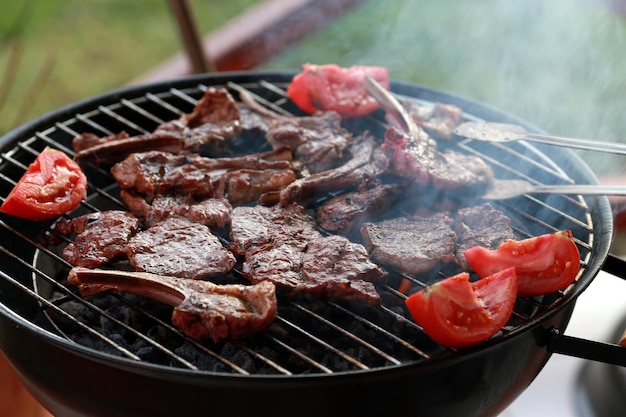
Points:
[(201, 309)]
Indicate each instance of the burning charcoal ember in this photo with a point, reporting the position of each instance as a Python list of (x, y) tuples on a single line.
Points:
[(282, 245), (411, 244), (201, 309), (480, 226), (318, 141), (112, 149), (101, 237), (212, 212), (438, 120), (178, 247), (159, 173), (346, 212), (367, 162)]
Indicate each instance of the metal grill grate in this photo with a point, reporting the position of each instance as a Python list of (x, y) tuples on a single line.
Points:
[(307, 337)]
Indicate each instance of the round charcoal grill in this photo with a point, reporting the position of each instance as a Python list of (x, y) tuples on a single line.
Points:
[(83, 355)]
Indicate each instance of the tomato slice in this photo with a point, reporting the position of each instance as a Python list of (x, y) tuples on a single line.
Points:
[(544, 264), (331, 87), (457, 313), (52, 185)]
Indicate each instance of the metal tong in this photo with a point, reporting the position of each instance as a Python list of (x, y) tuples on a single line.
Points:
[(502, 132)]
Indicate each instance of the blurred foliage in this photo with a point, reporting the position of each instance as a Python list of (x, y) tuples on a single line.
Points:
[(54, 52)]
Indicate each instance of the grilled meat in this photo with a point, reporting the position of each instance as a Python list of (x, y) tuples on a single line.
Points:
[(101, 237), (158, 173), (178, 247), (282, 245), (346, 212), (366, 162), (439, 120), (114, 148), (318, 141), (212, 212), (418, 158), (480, 226), (208, 129), (411, 244), (201, 309)]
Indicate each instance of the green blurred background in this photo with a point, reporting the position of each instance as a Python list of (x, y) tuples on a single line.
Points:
[(559, 64)]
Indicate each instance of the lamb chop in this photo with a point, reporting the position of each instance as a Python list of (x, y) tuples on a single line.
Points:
[(208, 129), (201, 309), (101, 237), (91, 148), (212, 212), (366, 163), (414, 154), (181, 248), (282, 245), (158, 173), (318, 141)]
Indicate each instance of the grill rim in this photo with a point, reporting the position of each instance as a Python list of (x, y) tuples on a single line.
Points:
[(597, 205)]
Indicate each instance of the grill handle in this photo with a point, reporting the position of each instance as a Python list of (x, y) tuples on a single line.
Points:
[(614, 354)]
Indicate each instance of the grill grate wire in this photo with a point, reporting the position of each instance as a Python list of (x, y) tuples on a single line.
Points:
[(281, 349)]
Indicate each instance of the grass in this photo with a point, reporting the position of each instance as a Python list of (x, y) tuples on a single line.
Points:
[(54, 52), (559, 64)]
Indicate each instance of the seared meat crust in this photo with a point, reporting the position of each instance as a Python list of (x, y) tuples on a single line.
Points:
[(101, 237), (178, 247)]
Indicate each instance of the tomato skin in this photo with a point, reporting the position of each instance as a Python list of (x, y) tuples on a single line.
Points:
[(52, 185), (457, 313), (333, 88), (544, 264)]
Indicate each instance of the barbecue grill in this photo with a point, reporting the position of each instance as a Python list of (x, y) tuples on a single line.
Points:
[(115, 354)]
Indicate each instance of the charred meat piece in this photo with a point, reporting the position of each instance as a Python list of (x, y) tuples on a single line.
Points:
[(201, 309), (413, 154), (178, 247), (256, 226), (246, 185), (210, 127), (282, 245), (159, 173), (346, 212), (318, 141), (480, 226), (101, 237), (411, 244), (420, 160), (439, 120), (112, 149), (212, 212), (366, 162)]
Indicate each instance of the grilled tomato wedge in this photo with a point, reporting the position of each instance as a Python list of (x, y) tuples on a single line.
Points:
[(544, 264), (52, 185), (457, 313), (331, 87)]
